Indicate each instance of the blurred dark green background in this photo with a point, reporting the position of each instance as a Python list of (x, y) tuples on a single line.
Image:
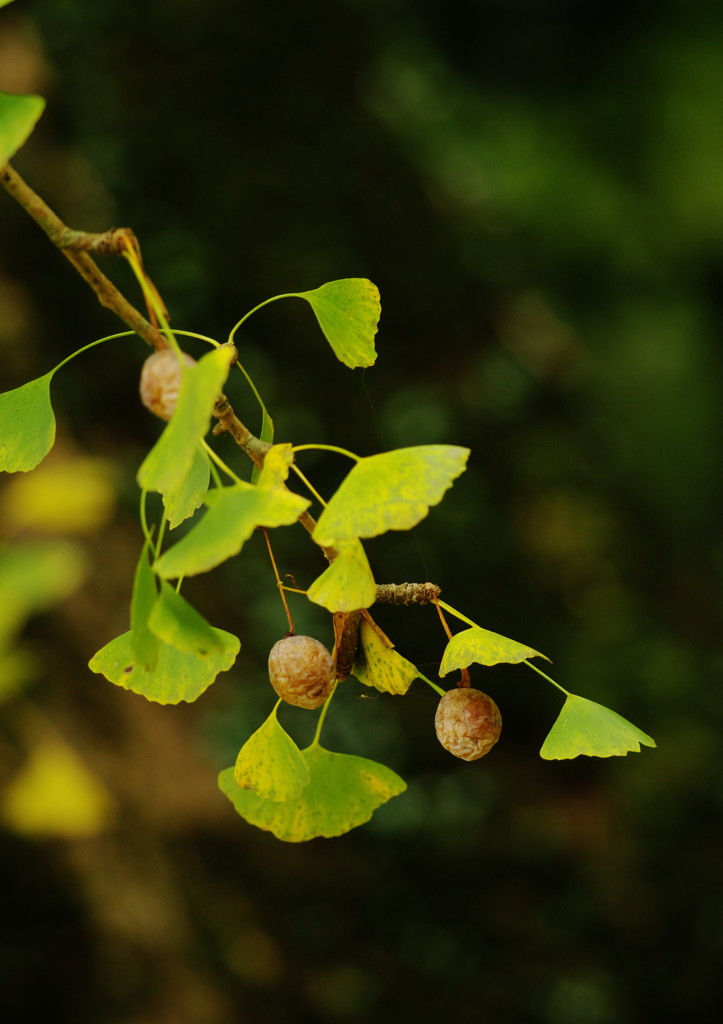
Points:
[(536, 187)]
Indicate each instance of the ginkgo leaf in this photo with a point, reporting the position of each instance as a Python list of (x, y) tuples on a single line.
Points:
[(182, 500), (233, 515), (379, 665), (348, 312), (343, 792), (390, 491), (178, 675), (27, 425), (584, 727), (55, 793), (33, 576), (18, 116), (144, 643), (270, 763), (347, 584), (177, 623), (276, 467), (482, 647), (167, 464)]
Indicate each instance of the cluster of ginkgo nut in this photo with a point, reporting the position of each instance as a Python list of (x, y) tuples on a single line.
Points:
[(161, 381), (468, 723), (301, 670)]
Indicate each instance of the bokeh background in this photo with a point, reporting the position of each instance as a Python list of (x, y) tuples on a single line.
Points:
[(536, 187)]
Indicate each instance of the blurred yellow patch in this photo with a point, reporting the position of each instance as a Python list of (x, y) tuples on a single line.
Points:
[(54, 794), (62, 495)]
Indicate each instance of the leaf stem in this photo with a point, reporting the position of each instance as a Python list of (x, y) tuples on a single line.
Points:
[(459, 615), (322, 716), (279, 584), (287, 295), (545, 676), (434, 686), (326, 448), (308, 484), (215, 457)]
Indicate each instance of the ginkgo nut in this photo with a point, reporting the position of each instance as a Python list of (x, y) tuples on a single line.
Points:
[(161, 381), (468, 723), (301, 670)]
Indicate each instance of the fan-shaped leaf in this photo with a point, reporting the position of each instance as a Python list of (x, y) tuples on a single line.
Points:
[(347, 584), (182, 500), (168, 463), (270, 763), (34, 576), (379, 665), (390, 491), (178, 675), (343, 792), (584, 727), (177, 623), (18, 116), (482, 647), (144, 643), (233, 515), (27, 425), (348, 312)]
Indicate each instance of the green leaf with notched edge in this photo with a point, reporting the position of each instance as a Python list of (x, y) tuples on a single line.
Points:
[(18, 116), (346, 584), (584, 727), (233, 515), (482, 647), (144, 643), (343, 792), (178, 675), (270, 763), (276, 467), (390, 491), (167, 464), (27, 425), (381, 666), (177, 623), (348, 312), (182, 500)]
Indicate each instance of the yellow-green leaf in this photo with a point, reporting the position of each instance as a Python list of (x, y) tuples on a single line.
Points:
[(483, 647), (584, 727), (170, 460), (33, 576), (270, 763), (144, 643), (27, 425), (348, 312), (233, 515), (343, 792), (18, 116), (186, 495), (55, 794), (177, 623), (390, 491), (347, 584), (379, 665), (178, 675)]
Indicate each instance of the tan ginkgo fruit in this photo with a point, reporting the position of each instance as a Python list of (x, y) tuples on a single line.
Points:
[(161, 381), (468, 723), (301, 670)]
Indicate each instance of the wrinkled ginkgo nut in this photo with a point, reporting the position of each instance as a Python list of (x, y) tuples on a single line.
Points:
[(301, 671), (468, 723), (161, 381)]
